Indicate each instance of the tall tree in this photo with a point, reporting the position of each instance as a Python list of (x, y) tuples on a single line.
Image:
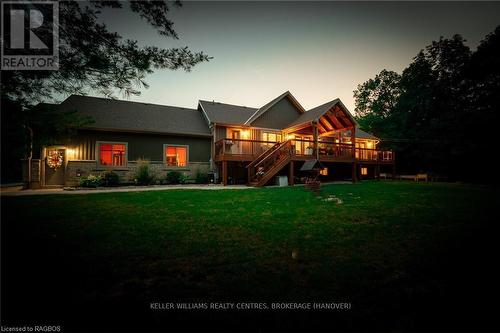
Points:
[(92, 58), (444, 109), (378, 96)]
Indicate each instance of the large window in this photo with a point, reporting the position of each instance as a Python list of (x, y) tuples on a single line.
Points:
[(271, 136), (113, 154), (176, 156)]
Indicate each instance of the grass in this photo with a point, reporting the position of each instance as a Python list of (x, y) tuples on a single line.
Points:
[(397, 251)]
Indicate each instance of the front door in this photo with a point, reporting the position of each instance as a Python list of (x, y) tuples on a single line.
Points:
[(55, 162)]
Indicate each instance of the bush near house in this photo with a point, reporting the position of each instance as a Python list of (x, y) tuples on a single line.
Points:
[(91, 181), (143, 174), (110, 178), (176, 177), (201, 178)]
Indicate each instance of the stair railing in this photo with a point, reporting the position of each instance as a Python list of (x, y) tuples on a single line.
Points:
[(261, 166)]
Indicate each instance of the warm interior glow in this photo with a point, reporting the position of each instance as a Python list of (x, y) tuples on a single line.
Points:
[(111, 154), (289, 136), (369, 144), (271, 136), (364, 171), (245, 134), (176, 156), (324, 172)]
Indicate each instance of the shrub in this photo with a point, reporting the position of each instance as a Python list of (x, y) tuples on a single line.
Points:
[(176, 177), (91, 181), (201, 177), (184, 178), (143, 174), (110, 178)]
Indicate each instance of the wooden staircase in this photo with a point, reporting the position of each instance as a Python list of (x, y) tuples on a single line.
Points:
[(269, 163)]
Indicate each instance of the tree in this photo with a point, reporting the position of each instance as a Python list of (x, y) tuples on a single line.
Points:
[(95, 59), (378, 96), (443, 98)]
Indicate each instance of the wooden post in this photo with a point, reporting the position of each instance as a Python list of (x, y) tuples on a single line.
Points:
[(291, 175), (224, 173), (315, 136), (353, 141), (354, 171)]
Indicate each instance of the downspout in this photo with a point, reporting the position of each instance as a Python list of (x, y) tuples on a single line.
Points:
[(212, 148), (315, 134)]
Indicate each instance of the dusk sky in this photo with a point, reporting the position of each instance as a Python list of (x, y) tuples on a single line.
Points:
[(319, 51)]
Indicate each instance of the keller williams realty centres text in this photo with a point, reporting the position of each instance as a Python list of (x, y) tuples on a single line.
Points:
[(249, 306)]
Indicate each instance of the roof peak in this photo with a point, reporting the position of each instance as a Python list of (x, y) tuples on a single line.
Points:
[(222, 103), (268, 105)]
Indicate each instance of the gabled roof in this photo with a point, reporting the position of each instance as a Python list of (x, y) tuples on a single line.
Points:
[(315, 113), (112, 114), (360, 134), (266, 107), (226, 113)]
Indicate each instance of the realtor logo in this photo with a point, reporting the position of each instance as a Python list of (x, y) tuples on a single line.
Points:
[(30, 35)]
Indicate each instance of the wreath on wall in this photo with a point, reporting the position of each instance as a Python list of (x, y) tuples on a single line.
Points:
[(55, 159)]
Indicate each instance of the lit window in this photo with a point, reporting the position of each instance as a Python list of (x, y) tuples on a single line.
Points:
[(176, 156), (271, 136), (364, 171), (324, 172), (112, 154)]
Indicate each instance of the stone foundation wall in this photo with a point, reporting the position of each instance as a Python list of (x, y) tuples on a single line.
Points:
[(75, 169)]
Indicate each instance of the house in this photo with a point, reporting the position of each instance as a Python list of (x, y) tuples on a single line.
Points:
[(236, 144)]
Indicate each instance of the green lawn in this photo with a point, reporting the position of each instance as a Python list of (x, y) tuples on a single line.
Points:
[(389, 248)]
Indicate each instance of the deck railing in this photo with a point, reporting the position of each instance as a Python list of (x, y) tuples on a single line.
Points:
[(326, 149), (242, 147), (304, 148)]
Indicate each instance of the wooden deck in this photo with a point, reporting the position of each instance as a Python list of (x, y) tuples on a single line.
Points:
[(248, 150)]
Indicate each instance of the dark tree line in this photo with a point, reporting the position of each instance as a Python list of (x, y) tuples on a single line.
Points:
[(440, 115), (92, 59)]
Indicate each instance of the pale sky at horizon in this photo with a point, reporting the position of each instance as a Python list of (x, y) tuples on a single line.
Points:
[(319, 51)]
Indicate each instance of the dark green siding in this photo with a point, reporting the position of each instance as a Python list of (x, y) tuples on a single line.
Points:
[(220, 132), (278, 116), (149, 146)]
